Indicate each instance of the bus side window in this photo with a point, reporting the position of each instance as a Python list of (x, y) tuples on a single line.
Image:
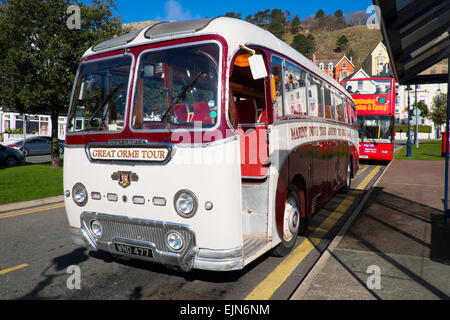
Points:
[(328, 104), (295, 90), (315, 98), (277, 87), (354, 115), (339, 108), (333, 105)]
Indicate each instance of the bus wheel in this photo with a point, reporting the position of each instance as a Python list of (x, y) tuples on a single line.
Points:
[(292, 222), (348, 179)]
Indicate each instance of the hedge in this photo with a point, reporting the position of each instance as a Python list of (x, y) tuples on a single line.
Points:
[(404, 128)]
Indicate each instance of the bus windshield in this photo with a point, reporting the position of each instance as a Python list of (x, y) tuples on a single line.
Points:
[(100, 95), (376, 128), (369, 86), (177, 87)]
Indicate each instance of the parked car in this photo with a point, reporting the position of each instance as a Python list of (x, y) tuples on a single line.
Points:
[(37, 146), (10, 156)]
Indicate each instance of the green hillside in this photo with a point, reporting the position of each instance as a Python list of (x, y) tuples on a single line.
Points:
[(361, 41)]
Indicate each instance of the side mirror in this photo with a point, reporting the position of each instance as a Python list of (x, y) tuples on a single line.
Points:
[(257, 66)]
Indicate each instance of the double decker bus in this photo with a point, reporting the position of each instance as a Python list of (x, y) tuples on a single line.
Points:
[(375, 107), (202, 144)]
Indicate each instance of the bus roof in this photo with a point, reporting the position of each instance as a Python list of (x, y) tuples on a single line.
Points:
[(235, 31)]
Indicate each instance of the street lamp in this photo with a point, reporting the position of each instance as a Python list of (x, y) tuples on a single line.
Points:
[(416, 112), (408, 142)]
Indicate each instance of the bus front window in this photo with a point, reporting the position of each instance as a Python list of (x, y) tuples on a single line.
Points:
[(99, 98), (177, 87), (375, 128)]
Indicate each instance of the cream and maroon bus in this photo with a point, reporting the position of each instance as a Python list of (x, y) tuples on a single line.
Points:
[(202, 144)]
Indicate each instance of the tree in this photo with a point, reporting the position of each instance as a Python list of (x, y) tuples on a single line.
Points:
[(236, 15), (438, 113), (306, 45), (340, 18), (341, 43), (357, 18), (319, 14), (277, 23), (39, 53), (295, 24), (424, 112)]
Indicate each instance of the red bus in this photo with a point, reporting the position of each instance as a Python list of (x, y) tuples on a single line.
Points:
[(375, 107)]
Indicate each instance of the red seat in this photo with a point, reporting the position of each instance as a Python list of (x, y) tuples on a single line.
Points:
[(246, 111), (202, 113), (181, 112)]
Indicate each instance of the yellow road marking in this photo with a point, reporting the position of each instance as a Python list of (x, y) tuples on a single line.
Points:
[(2, 272), (363, 169), (28, 211), (368, 178), (278, 276)]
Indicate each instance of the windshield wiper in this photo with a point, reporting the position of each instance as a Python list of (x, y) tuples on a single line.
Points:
[(173, 101), (373, 139), (108, 101)]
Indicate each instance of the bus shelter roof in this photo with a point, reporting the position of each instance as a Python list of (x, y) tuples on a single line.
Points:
[(416, 34)]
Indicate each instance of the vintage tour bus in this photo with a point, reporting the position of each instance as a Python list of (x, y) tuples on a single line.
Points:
[(202, 144)]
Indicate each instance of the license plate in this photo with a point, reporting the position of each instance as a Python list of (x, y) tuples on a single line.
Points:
[(133, 250), (364, 157)]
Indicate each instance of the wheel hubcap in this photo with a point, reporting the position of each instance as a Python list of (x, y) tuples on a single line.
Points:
[(291, 219)]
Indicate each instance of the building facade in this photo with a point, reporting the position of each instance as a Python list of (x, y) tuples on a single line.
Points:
[(338, 69), (12, 124)]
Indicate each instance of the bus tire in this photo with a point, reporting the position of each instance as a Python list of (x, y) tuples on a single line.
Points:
[(348, 178), (292, 222)]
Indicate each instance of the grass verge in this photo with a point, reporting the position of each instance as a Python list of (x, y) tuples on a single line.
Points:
[(30, 182), (430, 150)]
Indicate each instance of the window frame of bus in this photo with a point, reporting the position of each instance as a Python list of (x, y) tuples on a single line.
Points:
[(320, 96), (220, 85), (75, 93), (291, 68), (273, 83), (332, 105)]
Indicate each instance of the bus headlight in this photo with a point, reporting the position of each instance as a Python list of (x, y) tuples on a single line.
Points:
[(185, 203), (96, 228), (80, 194), (175, 241)]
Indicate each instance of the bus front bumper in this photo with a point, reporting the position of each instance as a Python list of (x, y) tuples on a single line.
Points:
[(147, 240)]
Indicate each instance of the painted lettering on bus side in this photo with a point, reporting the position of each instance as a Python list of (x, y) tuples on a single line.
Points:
[(332, 131), (314, 132), (299, 133)]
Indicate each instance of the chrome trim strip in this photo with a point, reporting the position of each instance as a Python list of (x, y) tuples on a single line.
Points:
[(220, 260)]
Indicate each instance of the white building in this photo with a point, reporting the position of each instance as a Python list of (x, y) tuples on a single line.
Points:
[(425, 93), (37, 125)]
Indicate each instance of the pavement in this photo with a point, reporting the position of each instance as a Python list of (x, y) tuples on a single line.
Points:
[(395, 247)]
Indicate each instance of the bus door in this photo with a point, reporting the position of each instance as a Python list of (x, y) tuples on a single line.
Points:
[(248, 100)]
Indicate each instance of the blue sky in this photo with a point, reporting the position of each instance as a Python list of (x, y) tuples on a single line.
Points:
[(142, 10)]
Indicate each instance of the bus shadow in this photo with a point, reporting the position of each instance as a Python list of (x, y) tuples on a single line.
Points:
[(401, 236)]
